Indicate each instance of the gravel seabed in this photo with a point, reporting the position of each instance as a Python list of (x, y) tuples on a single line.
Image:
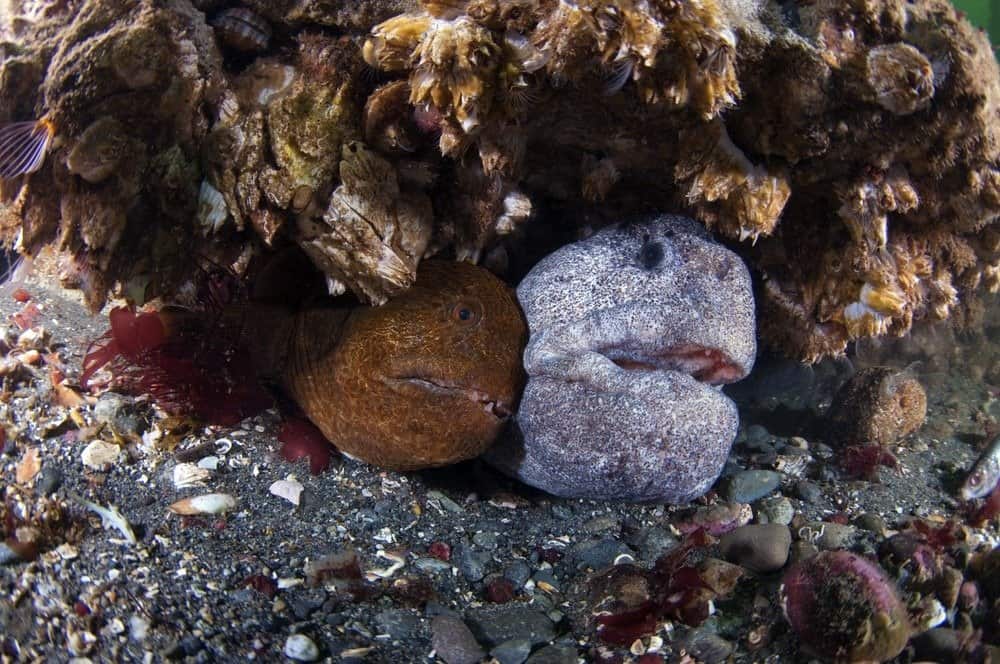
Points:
[(235, 586)]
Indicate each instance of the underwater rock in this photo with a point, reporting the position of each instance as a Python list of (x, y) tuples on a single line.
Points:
[(847, 151), (631, 332), (878, 405)]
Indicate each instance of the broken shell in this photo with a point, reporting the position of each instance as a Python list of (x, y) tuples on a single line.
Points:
[(212, 210), (110, 518), (289, 489), (99, 455), (188, 475), (209, 503)]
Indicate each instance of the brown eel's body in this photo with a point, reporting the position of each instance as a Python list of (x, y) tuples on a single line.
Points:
[(425, 380)]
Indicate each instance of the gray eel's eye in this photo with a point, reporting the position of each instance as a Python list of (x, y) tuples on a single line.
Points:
[(651, 254)]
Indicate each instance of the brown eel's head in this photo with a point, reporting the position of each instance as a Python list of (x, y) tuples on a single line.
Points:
[(427, 379)]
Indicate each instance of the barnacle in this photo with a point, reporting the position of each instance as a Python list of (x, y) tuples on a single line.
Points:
[(373, 233), (732, 194)]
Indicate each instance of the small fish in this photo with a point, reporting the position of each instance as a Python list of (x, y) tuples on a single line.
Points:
[(23, 146), (985, 473)]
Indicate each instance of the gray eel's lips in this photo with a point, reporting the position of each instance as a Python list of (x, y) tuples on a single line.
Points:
[(704, 364), (491, 405)]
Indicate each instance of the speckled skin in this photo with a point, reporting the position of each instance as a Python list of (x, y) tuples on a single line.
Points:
[(650, 296), (425, 380)]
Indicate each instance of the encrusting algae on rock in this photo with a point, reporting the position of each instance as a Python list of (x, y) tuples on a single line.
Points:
[(848, 150)]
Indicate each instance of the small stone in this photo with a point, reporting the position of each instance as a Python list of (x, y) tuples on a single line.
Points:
[(119, 414), (707, 646), (808, 491), (832, 536), (600, 524), (652, 542), (515, 651), (99, 455), (301, 648), (493, 625), (760, 548), (872, 523), (776, 509), (453, 641), (399, 624), (554, 654), (471, 563), (801, 551), (517, 572), (749, 485), (49, 480), (597, 553), (486, 540), (756, 437)]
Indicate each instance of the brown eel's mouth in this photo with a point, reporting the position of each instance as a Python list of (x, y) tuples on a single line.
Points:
[(495, 407), (704, 364)]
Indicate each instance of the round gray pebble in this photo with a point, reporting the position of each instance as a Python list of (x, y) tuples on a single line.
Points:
[(776, 509)]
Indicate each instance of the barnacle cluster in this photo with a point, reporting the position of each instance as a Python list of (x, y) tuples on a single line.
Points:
[(848, 150)]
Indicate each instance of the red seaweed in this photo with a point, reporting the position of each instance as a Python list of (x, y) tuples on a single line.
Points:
[(199, 370), (300, 438), (863, 461)]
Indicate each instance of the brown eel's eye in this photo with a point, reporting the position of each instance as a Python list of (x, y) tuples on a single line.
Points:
[(464, 313)]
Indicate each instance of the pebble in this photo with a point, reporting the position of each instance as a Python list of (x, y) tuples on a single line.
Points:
[(808, 491), (471, 563), (707, 646), (517, 572), (493, 625), (453, 641), (119, 413), (749, 485), (833, 535), (485, 539), (49, 480), (776, 509), (597, 553), (301, 648), (872, 523), (600, 524), (554, 655), (761, 548), (99, 455), (757, 438), (652, 542), (515, 651), (397, 623)]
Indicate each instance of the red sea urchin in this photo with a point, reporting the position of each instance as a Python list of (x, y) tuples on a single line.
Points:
[(844, 608)]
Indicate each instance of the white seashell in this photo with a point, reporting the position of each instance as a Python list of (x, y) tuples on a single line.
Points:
[(209, 503), (209, 463), (290, 490), (99, 455), (222, 446), (212, 210), (188, 475)]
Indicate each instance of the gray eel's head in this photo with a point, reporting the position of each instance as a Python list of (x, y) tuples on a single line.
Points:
[(632, 333), (651, 295)]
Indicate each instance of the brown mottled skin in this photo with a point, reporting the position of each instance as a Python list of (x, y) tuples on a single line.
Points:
[(427, 379)]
